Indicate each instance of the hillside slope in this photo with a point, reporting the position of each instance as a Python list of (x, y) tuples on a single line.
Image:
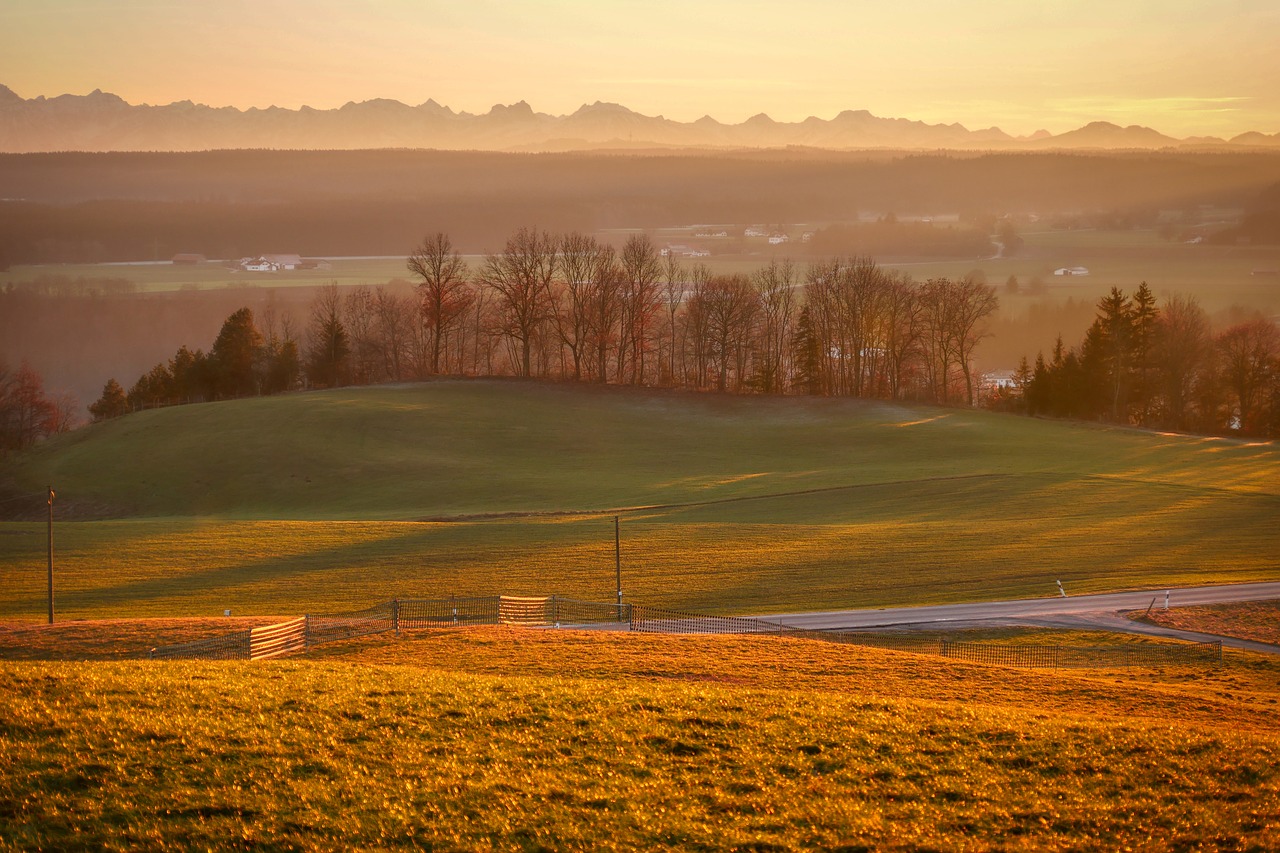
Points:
[(463, 448), (325, 501)]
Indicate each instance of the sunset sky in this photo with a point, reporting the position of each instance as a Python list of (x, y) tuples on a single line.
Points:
[(1185, 67)]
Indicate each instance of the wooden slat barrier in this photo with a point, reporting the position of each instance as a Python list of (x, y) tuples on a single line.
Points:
[(523, 610), (284, 638)]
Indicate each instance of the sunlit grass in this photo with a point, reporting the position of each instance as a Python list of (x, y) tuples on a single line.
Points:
[(1248, 620), (498, 739), (313, 503)]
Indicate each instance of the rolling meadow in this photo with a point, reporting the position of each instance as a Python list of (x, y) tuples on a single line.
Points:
[(325, 501), (511, 739)]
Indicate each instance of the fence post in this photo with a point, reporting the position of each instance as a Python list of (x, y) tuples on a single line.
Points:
[(395, 614), (306, 632)]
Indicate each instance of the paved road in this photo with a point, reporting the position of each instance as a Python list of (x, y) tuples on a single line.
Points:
[(1026, 611)]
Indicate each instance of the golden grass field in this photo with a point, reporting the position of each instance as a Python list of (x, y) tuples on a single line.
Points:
[(509, 739), (1253, 620)]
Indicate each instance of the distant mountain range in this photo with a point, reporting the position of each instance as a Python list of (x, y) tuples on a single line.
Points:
[(101, 121)]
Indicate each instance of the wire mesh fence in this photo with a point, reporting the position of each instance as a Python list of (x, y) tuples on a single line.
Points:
[(652, 620), (345, 626), (548, 611), (570, 611), (429, 613), (305, 632), (227, 647)]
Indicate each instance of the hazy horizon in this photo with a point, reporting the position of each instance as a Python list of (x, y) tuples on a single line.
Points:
[(1174, 66)]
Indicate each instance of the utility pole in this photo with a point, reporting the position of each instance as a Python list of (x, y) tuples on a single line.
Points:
[(617, 558), (51, 496)]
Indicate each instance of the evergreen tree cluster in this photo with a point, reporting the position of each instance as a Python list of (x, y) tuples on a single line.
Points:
[(241, 363), (1162, 367)]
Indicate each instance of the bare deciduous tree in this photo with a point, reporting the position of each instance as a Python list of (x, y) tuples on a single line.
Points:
[(1249, 359), (577, 297), (1183, 352), (775, 289), (520, 277), (642, 276), (443, 290), (673, 293), (729, 305)]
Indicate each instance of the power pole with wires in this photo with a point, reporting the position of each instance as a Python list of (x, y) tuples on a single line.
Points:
[(51, 496)]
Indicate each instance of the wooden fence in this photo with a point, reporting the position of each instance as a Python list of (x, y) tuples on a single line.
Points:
[(297, 635)]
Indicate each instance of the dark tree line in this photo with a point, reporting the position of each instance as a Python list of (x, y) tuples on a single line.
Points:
[(568, 307), (1162, 366), (242, 362)]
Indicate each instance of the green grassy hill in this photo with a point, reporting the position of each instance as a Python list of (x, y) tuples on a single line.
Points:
[(336, 499)]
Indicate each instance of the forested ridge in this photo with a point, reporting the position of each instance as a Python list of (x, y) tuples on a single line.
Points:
[(569, 307), (83, 207)]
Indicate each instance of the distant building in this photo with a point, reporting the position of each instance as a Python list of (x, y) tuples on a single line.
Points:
[(275, 263), (285, 262), (189, 259), (680, 250), (999, 379), (777, 239), (1072, 271)]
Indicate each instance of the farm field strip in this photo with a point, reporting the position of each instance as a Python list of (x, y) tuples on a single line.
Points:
[(156, 568), (1217, 275)]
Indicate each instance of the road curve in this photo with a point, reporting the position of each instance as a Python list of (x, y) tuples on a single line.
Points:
[(948, 615)]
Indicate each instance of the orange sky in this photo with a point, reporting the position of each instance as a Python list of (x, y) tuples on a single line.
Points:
[(1185, 67)]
